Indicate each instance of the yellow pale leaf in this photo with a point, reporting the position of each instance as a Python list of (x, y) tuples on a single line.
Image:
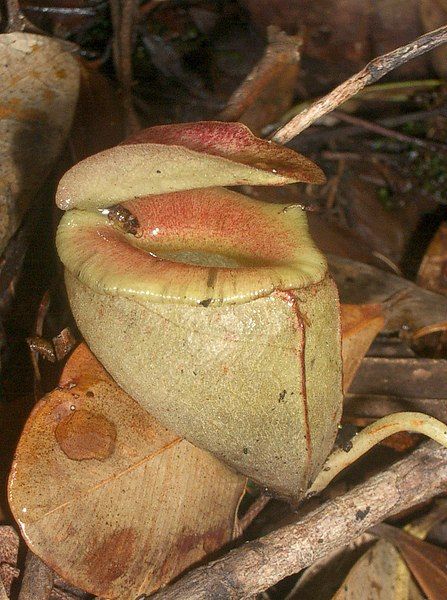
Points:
[(39, 84)]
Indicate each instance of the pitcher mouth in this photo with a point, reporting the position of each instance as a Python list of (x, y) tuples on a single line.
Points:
[(205, 247)]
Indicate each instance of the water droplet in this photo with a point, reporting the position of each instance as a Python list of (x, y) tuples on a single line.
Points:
[(24, 510), (72, 407)]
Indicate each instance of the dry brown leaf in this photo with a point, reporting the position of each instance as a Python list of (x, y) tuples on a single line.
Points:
[(268, 90), (39, 84), (432, 273), (360, 325), (380, 574), (432, 276), (359, 283), (111, 500), (427, 562)]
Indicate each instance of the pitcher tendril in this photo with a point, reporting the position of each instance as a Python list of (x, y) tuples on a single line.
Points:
[(371, 435)]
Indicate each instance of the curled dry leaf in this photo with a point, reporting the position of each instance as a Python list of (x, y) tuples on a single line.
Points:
[(268, 90), (427, 562), (111, 500), (39, 84), (432, 273), (381, 573), (360, 325), (411, 308)]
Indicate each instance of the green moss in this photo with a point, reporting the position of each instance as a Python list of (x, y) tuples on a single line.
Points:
[(431, 170), (384, 195)]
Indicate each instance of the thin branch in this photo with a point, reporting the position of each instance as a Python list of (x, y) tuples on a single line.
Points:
[(17, 20), (391, 133), (373, 71), (259, 564), (248, 517)]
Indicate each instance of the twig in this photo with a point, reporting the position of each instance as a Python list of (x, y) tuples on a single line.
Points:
[(428, 330), (317, 134), (391, 133), (17, 20), (281, 50), (36, 349), (373, 71), (37, 581), (259, 564), (253, 511), (315, 570)]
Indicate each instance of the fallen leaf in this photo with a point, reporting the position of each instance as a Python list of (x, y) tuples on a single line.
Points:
[(427, 562), (360, 325), (432, 273), (381, 573), (268, 90), (412, 306), (38, 92), (112, 501)]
